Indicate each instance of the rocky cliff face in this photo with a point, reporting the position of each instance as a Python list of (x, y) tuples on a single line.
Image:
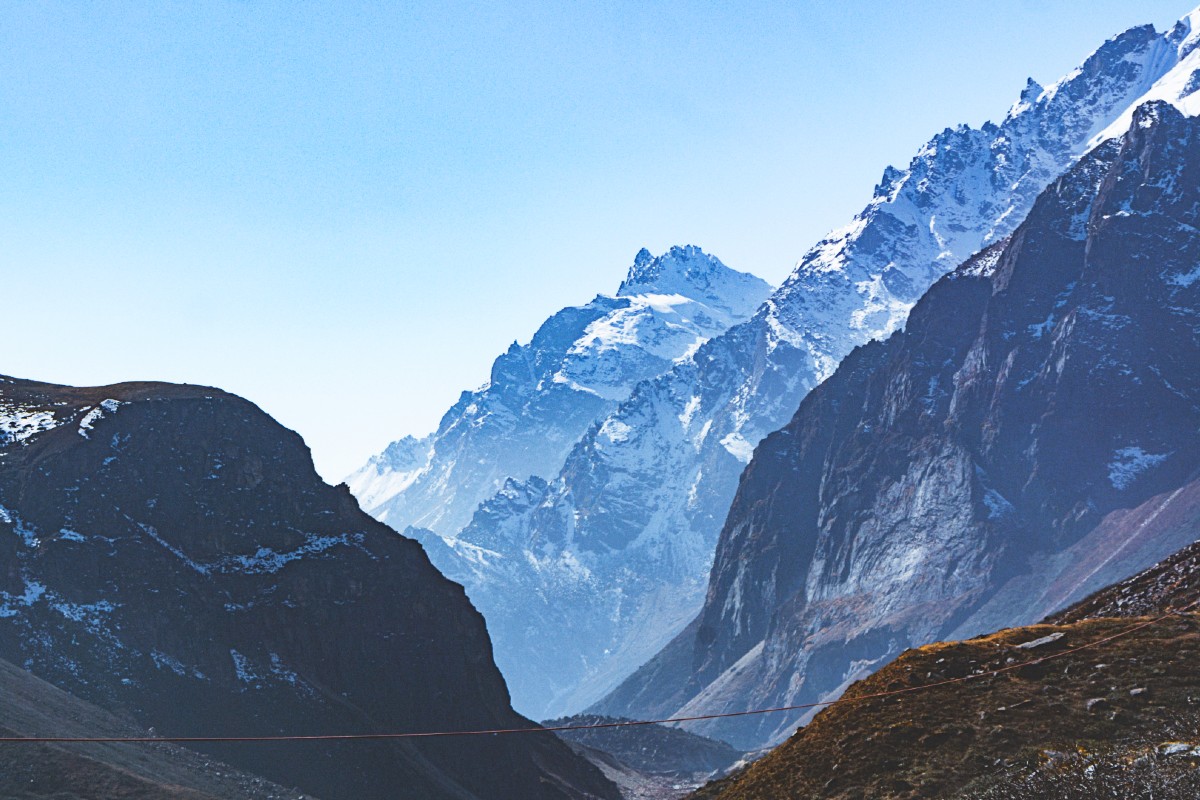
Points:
[(1034, 430), (169, 551), (542, 396), (614, 550)]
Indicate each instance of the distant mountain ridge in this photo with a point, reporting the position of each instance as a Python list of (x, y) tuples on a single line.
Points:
[(611, 555), (542, 396), (651, 748)]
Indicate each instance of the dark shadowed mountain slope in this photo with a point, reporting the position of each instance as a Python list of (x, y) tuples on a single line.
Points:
[(651, 748), (113, 771), (1031, 436), (649, 762), (170, 552)]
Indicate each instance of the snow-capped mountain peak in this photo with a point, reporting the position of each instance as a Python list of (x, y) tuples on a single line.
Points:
[(1175, 76), (690, 272), (1187, 33), (542, 396)]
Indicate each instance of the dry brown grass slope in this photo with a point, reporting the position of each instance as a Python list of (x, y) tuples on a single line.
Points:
[(1136, 694)]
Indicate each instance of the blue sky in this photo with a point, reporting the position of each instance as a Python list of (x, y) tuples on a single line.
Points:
[(344, 211)]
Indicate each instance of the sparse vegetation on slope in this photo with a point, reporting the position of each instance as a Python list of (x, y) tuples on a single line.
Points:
[(1131, 697), (1118, 719)]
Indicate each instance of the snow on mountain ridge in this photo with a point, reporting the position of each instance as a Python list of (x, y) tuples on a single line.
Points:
[(391, 471), (542, 396), (664, 326), (690, 272), (1176, 85), (928, 220), (18, 423), (1187, 32)]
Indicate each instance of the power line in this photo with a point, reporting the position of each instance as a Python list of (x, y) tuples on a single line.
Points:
[(591, 726)]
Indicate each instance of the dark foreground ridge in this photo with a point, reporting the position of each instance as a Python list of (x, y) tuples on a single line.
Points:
[(170, 553)]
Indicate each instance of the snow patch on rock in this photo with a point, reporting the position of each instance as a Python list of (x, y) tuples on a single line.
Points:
[(1130, 462)]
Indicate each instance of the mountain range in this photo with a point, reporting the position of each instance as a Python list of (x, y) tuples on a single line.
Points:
[(584, 572), (926, 463), (542, 396), (1031, 436)]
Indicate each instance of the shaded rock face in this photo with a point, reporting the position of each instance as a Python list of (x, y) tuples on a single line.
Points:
[(1043, 398), (615, 549), (169, 551)]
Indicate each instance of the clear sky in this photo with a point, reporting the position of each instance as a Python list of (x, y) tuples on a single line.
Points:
[(343, 211)]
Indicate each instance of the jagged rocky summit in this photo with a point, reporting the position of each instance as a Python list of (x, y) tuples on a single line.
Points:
[(542, 396), (169, 553), (1032, 435), (610, 555)]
